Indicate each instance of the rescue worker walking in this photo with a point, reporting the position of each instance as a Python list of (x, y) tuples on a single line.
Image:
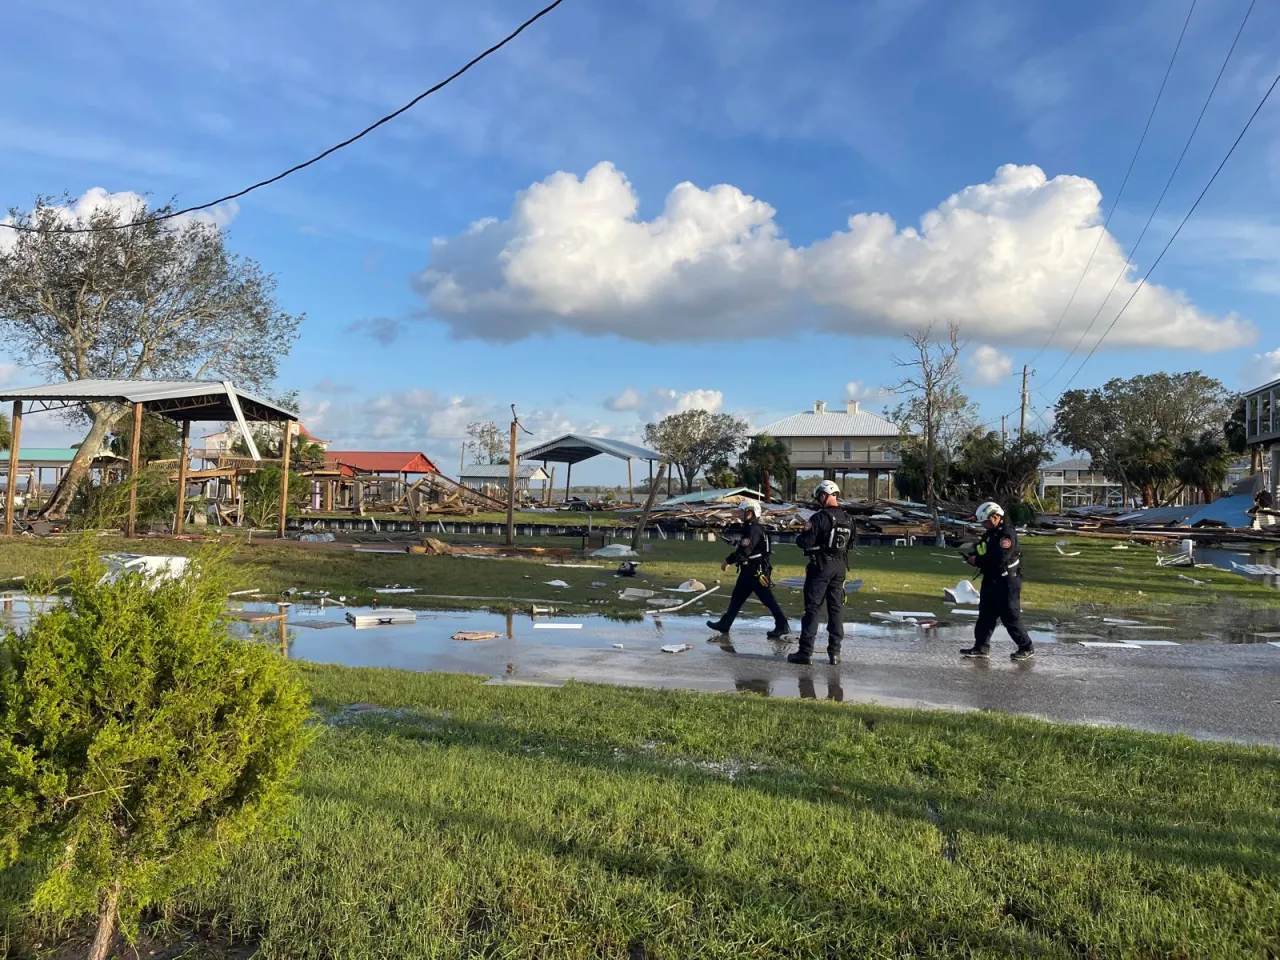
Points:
[(825, 541), (755, 570), (1000, 599)]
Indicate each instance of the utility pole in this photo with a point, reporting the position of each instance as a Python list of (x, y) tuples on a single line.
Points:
[(1022, 423), (511, 479), (1003, 431)]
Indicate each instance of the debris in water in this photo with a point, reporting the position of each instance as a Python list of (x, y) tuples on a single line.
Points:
[(1109, 643), (381, 618), (475, 635), (619, 646), (677, 647)]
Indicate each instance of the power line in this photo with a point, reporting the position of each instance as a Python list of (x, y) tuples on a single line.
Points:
[(320, 156), (1123, 183), (1258, 109), (1169, 182)]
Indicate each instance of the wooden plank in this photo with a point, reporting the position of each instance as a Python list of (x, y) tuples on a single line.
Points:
[(131, 521), (15, 447)]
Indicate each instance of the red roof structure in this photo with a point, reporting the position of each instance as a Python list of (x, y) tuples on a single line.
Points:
[(379, 461)]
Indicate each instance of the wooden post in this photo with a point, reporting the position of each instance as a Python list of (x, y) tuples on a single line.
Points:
[(15, 447), (287, 429), (131, 522), (182, 477), (551, 488), (568, 480), (631, 490), (648, 507), (511, 485), (328, 496)]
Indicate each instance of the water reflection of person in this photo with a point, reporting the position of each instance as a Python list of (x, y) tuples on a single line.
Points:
[(808, 691)]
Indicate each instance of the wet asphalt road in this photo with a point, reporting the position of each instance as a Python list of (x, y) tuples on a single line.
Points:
[(1214, 691)]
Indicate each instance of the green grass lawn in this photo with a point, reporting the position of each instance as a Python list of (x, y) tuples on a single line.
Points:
[(587, 822), (894, 578)]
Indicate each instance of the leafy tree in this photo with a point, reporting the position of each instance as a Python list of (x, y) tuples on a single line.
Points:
[(98, 506), (159, 299), (694, 439), (989, 468), (261, 491), (6, 433), (487, 442), (764, 461), (269, 441), (1148, 462), (1234, 431), (1202, 463), (721, 476), (1103, 421), (161, 439), (139, 742)]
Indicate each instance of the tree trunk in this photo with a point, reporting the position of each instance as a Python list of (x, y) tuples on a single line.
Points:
[(106, 934), (59, 505), (648, 507), (766, 491)]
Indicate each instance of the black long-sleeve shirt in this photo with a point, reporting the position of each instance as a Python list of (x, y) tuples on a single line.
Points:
[(998, 553), (753, 546)]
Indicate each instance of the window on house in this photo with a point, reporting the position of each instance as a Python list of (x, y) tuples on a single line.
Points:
[(848, 449), (830, 447)]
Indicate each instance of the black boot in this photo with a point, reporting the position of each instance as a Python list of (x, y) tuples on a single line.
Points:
[(779, 631), (803, 659), (833, 657), (717, 626)]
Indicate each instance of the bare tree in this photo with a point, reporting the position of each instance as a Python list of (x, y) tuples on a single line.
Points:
[(154, 300), (487, 442), (931, 384)]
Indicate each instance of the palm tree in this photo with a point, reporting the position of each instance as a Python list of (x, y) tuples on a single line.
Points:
[(1202, 462), (766, 458), (1148, 462)]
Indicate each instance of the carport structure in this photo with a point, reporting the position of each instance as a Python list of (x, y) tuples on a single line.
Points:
[(572, 448), (182, 401)]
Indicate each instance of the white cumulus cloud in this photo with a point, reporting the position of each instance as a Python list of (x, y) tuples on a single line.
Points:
[(1001, 258), (128, 206), (1261, 368), (987, 366), (864, 392), (660, 402)]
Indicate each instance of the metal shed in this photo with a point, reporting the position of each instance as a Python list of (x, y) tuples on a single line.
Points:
[(183, 401)]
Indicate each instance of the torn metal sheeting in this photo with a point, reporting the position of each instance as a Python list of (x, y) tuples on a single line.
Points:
[(381, 618), (677, 647), (1108, 643), (1154, 643)]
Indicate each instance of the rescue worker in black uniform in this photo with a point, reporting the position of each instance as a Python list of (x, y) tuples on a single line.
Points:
[(755, 570), (825, 541), (1000, 599)]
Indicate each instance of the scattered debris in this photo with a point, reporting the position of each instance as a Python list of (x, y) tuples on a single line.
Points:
[(962, 592), (677, 647), (636, 593), (1153, 643), (686, 603), (614, 551), (152, 568), (619, 646), (545, 611), (475, 635), (395, 588), (627, 568), (1109, 643), (918, 614), (316, 538), (556, 583), (689, 586), (381, 618), (1192, 580)]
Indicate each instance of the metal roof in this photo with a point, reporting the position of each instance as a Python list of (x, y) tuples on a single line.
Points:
[(1265, 386), (711, 496), (189, 400), (572, 448), (1075, 463), (810, 424), (381, 461), (53, 455), (501, 471)]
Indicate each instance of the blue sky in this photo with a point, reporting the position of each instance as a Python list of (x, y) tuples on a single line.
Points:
[(849, 171)]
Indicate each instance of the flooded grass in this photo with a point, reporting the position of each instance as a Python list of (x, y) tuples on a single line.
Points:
[(465, 820), (894, 578)]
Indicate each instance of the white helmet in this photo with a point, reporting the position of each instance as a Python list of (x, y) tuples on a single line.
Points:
[(988, 510), (749, 506), (827, 488)]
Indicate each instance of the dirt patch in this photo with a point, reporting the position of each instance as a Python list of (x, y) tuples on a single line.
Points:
[(191, 946)]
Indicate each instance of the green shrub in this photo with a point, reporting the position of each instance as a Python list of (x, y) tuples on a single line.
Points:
[(139, 742), (98, 506)]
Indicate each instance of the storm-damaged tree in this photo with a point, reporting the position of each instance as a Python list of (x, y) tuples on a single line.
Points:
[(135, 298), (936, 409), (694, 439), (488, 444), (6, 433)]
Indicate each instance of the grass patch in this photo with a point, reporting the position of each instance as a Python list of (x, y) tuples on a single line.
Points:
[(583, 822), (899, 578)]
